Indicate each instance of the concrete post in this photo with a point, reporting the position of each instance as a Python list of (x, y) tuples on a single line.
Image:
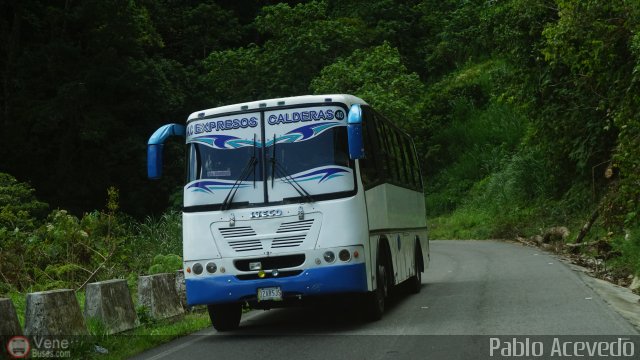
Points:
[(54, 313), (9, 324), (109, 303), (158, 294), (181, 289)]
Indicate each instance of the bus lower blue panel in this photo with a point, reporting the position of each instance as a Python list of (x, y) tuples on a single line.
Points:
[(316, 281)]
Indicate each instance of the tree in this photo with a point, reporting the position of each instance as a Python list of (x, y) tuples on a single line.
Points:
[(378, 76), (300, 41), (84, 93)]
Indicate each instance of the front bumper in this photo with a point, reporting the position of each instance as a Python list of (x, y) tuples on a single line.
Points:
[(351, 278)]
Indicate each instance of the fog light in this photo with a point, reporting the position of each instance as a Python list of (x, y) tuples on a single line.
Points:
[(329, 256), (197, 268), (275, 272), (344, 255), (212, 268), (261, 274)]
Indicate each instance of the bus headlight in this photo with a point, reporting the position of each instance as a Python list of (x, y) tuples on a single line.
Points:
[(329, 256), (212, 268), (197, 268), (344, 255)]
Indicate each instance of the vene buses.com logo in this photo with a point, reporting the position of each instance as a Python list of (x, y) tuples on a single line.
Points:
[(18, 347)]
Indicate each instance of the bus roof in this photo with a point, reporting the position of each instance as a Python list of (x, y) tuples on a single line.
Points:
[(269, 103)]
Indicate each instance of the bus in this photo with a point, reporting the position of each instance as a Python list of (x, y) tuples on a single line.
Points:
[(295, 198)]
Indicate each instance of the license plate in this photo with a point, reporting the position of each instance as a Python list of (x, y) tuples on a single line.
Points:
[(270, 293)]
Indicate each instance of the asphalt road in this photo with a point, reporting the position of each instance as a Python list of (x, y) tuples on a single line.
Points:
[(472, 289)]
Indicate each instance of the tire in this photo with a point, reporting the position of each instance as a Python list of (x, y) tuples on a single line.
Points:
[(225, 317), (415, 282), (375, 300)]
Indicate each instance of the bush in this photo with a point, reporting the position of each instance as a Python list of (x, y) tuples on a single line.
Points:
[(60, 250), (165, 264)]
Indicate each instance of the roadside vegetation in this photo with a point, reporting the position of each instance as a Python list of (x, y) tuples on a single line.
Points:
[(44, 250), (526, 115), (541, 131)]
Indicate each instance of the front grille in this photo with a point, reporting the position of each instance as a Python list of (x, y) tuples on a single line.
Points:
[(236, 232), (275, 234), (303, 225), (273, 262), (245, 245), (287, 241), (281, 274)]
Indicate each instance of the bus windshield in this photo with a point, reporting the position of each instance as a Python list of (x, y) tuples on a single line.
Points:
[(265, 166), (206, 162), (312, 164)]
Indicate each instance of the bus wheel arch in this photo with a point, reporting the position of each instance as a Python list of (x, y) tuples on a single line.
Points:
[(420, 258), (415, 282), (384, 256)]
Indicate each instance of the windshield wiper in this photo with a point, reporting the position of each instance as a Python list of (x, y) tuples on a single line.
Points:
[(251, 166), (275, 166)]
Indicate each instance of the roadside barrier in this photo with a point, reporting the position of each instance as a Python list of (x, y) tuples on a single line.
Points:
[(109, 304)]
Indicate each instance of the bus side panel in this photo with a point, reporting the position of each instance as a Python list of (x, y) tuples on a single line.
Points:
[(392, 207), (399, 215)]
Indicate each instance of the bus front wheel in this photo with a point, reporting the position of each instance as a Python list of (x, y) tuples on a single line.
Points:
[(375, 300), (225, 317)]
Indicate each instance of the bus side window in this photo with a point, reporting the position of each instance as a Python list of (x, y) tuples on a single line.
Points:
[(398, 173), (369, 164), (384, 149), (408, 164), (416, 164)]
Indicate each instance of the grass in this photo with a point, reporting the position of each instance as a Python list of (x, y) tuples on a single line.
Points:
[(461, 224), (493, 221), (20, 304), (145, 337)]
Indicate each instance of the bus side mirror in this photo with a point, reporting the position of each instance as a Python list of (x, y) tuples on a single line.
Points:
[(155, 145), (154, 161), (354, 132)]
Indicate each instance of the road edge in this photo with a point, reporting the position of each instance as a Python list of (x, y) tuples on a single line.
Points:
[(621, 299)]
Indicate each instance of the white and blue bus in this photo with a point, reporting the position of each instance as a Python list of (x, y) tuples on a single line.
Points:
[(297, 197)]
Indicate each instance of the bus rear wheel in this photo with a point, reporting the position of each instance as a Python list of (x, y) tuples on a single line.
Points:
[(415, 282), (225, 317)]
